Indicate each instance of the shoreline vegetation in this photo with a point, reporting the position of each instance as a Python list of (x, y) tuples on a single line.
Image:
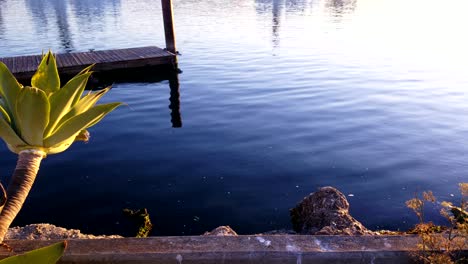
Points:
[(324, 212)]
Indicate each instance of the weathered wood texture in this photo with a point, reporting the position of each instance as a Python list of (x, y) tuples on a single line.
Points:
[(23, 67), (258, 249), (168, 25)]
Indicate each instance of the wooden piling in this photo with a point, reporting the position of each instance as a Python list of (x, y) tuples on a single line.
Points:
[(168, 25)]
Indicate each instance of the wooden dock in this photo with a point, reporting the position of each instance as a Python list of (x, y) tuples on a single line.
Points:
[(23, 67)]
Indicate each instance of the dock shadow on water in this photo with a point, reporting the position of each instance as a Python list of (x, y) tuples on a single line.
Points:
[(144, 75)]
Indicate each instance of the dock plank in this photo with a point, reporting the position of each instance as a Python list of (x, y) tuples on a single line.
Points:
[(78, 59), (106, 60), (100, 57), (65, 60)]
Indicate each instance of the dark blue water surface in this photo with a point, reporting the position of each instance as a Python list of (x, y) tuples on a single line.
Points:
[(277, 98)]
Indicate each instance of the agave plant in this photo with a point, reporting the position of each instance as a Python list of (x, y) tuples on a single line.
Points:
[(46, 255), (42, 119)]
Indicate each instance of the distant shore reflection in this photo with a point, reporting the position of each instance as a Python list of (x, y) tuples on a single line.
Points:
[(279, 9)]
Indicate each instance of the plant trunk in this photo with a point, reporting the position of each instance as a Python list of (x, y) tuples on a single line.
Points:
[(19, 187)]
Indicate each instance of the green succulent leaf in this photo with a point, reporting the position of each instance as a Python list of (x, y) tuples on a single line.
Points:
[(32, 110), (46, 116), (83, 135), (9, 135), (84, 104), (9, 87), (46, 77), (87, 69), (62, 100), (84, 71), (74, 125), (5, 114), (45, 255), (61, 147)]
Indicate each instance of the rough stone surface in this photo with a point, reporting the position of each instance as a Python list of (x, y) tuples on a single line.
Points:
[(221, 231), (326, 212), (47, 232)]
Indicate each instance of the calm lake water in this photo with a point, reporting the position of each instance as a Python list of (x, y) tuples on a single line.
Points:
[(277, 98)]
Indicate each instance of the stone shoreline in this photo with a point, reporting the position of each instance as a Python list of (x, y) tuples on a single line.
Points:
[(324, 212), (49, 232)]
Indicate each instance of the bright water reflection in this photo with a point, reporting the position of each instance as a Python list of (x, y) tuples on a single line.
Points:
[(277, 98)]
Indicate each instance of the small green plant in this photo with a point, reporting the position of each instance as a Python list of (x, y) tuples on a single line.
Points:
[(46, 255), (439, 244), (142, 219), (42, 119)]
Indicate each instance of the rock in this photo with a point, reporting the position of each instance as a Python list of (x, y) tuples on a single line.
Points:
[(221, 231), (47, 232), (326, 212)]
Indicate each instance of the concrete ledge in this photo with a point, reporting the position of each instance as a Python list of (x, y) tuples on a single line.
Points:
[(296, 249)]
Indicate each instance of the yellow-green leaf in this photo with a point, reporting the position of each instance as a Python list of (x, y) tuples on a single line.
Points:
[(64, 145), (84, 104), (62, 100), (83, 135), (46, 255), (77, 123), (32, 110), (9, 87), (5, 115), (86, 70), (46, 77), (9, 135)]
